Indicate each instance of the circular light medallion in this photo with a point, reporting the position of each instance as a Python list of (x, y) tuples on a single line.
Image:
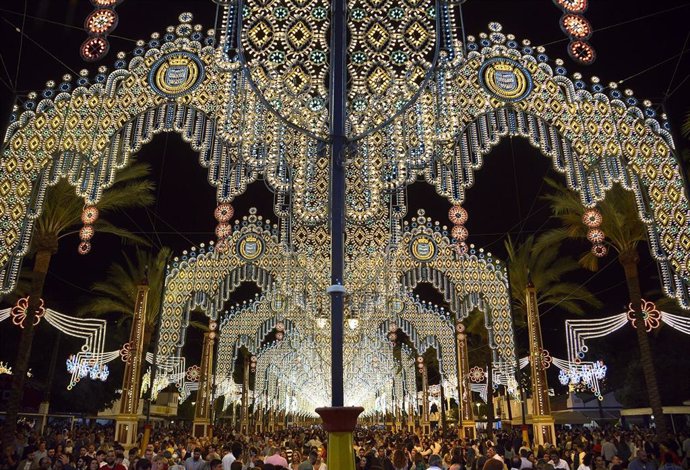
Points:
[(278, 303), (423, 248), (572, 6), (576, 26), (581, 52), (176, 74), (101, 22), (396, 305), (505, 79), (250, 247), (94, 48)]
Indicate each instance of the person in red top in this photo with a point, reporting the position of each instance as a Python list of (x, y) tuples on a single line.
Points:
[(119, 458)]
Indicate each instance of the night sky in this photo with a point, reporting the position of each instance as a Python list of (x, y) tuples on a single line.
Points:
[(638, 42)]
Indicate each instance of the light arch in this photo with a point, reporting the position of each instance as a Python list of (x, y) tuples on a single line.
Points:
[(86, 128)]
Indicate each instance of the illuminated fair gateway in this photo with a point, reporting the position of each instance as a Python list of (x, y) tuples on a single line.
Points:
[(276, 94)]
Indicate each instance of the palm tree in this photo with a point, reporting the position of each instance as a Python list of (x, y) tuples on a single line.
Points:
[(624, 231), (62, 217), (546, 267), (117, 293)]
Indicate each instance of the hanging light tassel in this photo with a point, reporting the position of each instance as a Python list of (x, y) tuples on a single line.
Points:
[(223, 213), (88, 217), (592, 219), (458, 216)]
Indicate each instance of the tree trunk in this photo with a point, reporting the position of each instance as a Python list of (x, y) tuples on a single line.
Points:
[(21, 364), (629, 259)]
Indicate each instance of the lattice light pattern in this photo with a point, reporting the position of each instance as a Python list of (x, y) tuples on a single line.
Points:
[(435, 122)]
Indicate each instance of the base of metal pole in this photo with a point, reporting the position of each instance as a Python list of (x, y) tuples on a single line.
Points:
[(339, 423)]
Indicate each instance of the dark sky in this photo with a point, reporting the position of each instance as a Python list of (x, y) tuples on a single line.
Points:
[(638, 42)]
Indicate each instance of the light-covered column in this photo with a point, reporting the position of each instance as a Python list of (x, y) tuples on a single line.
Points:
[(542, 421), (202, 411), (128, 416), (244, 424), (466, 421), (425, 424)]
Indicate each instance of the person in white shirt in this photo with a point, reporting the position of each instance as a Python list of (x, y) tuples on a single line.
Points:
[(557, 462), (586, 463), (434, 462), (234, 453), (524, 453), (492, 454)]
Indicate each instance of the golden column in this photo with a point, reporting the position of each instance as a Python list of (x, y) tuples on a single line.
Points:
[(542, 421), (466, 421), (201, 427), (426, 425), (244, 422), (127, 419)]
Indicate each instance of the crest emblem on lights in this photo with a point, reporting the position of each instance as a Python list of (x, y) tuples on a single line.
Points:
[(505, 79), (176, 74), (423, 248), (250, 247)]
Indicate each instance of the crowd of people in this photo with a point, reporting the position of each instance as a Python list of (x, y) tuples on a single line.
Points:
[(174, 448)]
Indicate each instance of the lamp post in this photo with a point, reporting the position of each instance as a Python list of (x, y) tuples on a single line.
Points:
[(338, 420)]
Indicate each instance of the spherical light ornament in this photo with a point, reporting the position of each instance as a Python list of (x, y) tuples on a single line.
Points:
[(458, 215), (224, 212), (223, 230), (572, 6), (599, 250), (576, 26), (280, 335), (280, 326), (101, 22), (392, 337), (86, 233), (420, 359), (596, 236), (459, 233), (84, 248), (582, 52), (89, 215), (94, 48), (592, 218)]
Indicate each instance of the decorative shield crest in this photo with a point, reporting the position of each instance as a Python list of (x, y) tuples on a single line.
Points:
[(505, 79), (250, 247), (423, 248), (176, 74)]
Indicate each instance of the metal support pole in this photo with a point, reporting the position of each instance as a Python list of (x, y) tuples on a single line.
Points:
[(338, 100)]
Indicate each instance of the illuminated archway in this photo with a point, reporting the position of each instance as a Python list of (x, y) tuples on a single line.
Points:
[(86, 129)]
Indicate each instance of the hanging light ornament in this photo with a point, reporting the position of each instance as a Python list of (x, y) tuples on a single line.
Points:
[(576, 26), (88, 217), (582, 52), (100, 22), (592, 219), (572, 6), (578, 29), (458, 216), (223, 214)]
